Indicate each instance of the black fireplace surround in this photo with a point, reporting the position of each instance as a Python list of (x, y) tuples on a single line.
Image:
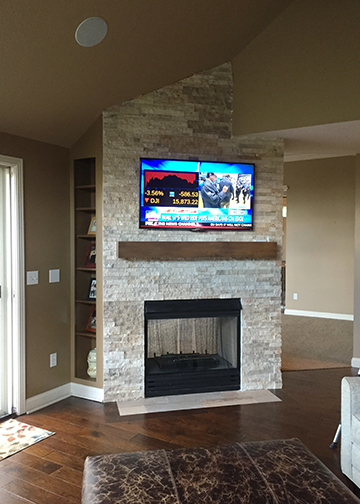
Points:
[(192, 346)]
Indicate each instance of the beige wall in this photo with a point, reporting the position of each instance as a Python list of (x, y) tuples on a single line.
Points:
[(356, 346), (47, 246), (302, 70), (90, 143), (283, 255), (46, 207), (320, 234)]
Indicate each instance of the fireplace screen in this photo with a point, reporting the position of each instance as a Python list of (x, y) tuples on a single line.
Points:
[(192, 346)]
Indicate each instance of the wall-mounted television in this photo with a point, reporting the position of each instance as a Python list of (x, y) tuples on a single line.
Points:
[(196, 195)]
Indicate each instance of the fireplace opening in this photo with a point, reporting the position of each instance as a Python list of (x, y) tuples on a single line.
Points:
[(192, 346)]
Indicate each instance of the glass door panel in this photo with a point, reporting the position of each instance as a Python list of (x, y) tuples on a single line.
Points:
[(5, 294)]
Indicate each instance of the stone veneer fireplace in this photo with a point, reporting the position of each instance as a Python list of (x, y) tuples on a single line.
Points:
[(190, 119)]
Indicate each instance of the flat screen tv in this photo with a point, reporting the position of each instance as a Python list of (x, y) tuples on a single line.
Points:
[(196, 195)]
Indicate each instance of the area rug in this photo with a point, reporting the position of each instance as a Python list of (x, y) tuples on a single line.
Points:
[(16, 436)]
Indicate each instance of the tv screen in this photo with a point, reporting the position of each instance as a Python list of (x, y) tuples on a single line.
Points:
[(196, 195)]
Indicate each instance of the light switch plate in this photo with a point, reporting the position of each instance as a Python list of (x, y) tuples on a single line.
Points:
[(54, 275), (32, 277)]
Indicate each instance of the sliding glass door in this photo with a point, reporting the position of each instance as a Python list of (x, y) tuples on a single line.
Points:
[(5, 294)]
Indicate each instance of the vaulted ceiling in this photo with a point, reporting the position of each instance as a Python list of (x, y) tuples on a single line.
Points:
[(52, 89)]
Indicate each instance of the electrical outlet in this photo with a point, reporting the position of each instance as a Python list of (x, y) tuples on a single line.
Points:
[(53, 359), (295, 296), (54, 276)]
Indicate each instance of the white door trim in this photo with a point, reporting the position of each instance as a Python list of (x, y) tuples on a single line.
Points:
[(18, 281)]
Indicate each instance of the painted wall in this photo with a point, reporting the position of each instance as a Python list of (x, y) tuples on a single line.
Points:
[(356, 345), (302, 70), (89, 144), (320, 235), (47, 211)]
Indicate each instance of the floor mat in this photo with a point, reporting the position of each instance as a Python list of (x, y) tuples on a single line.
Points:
[(16, 436)]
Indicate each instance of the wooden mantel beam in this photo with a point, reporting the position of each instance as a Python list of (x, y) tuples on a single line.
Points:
[(163, 251)]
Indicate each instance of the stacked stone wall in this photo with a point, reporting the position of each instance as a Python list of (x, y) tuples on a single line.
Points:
[(187, 120)]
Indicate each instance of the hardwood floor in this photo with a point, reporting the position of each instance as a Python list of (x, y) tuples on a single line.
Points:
[(51, 471)]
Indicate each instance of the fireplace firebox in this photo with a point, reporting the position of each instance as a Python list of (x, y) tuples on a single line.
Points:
[(192, 346)]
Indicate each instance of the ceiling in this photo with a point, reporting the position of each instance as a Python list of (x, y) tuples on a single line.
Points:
[(322, 141), (52, 89)]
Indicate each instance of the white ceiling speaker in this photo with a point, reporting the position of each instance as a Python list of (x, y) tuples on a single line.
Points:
[(91, 32)]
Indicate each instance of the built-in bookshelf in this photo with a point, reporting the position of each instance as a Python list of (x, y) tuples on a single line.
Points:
[(84, 331)]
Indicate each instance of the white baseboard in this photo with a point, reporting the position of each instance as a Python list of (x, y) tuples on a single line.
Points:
[(304, 313), (86, 392), (58, 394), (355, 362), (47, 398)]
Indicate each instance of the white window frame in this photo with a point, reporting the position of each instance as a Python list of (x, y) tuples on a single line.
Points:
[(18, 282)]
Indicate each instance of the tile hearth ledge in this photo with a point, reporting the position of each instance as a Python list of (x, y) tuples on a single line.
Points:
[(165, 250)]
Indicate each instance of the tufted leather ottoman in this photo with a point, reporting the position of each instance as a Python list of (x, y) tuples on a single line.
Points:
[(265, 472)]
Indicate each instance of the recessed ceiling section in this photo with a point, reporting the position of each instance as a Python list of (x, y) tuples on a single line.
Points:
[(316, 142)]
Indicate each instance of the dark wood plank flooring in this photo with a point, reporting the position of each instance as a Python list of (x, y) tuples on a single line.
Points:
[(51, 471)]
